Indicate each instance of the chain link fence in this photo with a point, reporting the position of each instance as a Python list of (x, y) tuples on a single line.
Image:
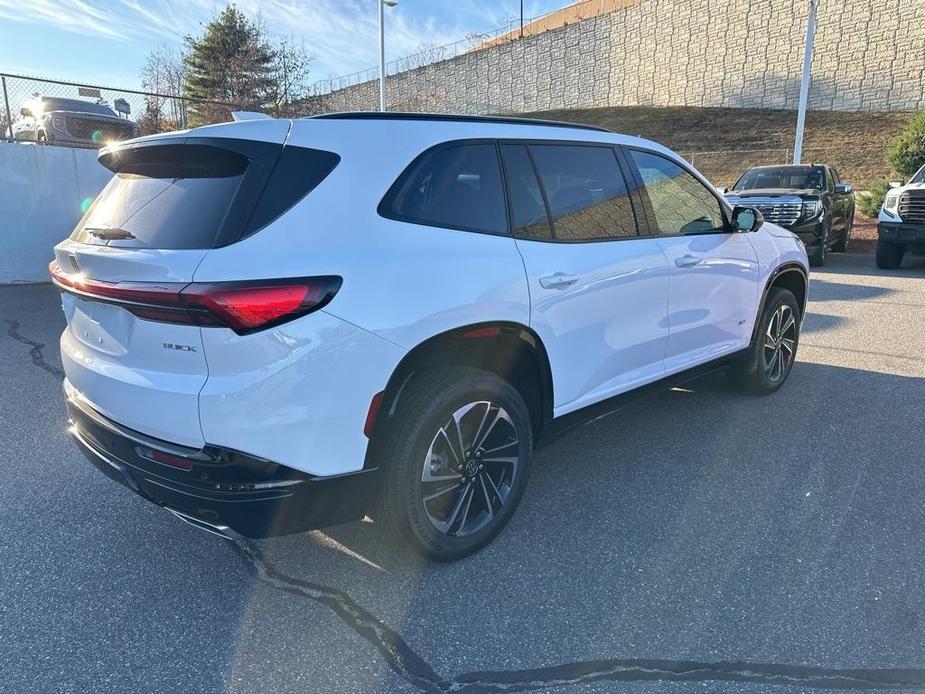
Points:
[(51, 111)]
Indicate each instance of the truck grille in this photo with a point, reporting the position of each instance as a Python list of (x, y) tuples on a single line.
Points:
[(775, 211), (912, 206), (84, 128)]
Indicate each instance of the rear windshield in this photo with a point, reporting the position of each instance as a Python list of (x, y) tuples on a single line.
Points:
[(803, 177), (197, 196), (159, 212)]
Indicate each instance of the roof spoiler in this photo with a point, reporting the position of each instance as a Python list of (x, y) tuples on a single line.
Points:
[(250, 115)]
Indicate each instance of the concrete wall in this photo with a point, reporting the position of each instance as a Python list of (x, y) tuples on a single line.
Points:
[(42, 189), (870, 55)]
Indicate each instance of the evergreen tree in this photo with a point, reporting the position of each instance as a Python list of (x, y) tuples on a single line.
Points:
[(231, 62)]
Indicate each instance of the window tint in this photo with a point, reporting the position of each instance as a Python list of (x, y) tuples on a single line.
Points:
[(528, 211), (586, 192), (458, 187), (681, 203)]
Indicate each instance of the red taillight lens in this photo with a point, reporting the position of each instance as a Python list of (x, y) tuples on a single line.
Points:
[(242, 306)]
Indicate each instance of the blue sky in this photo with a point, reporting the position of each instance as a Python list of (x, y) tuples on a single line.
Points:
[(106, 42)]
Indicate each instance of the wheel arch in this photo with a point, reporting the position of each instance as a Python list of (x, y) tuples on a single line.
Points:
[(510, 350), (791, 276)]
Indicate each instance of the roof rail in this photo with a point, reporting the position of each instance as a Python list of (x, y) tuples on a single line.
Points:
[(459, 118)]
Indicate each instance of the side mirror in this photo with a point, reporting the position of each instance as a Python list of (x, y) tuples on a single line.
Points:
[(25, 111), (896, 184), (844, 188), (746, 219)]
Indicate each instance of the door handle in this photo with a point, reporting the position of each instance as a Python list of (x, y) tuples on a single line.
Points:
[(687, 261), (558, 280)]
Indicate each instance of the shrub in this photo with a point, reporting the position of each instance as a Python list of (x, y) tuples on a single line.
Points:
[(906, 154), (870, 202)]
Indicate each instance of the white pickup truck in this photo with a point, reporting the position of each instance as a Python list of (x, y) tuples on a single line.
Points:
[(901, 222)]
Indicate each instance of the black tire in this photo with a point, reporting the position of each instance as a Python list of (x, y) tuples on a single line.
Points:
[(41, 138), (842, 245), (889, 255), (759, 372), (415, 449), (817, 259)]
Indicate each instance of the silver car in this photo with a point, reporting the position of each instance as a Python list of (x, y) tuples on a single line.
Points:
[(70, 121)]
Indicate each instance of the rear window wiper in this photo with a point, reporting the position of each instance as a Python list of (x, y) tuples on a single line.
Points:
[(109, 233)]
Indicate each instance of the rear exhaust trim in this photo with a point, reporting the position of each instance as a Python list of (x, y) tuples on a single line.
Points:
[(222, 531)]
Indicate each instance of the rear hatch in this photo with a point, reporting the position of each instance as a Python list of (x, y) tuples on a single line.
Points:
[(132, 348)]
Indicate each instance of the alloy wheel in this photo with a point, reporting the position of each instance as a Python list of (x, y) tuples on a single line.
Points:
[(470, 468), (780, 343)]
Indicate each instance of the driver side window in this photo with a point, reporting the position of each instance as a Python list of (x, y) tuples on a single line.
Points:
[(680, 202)]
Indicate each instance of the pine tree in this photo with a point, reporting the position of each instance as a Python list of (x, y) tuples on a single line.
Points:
[(231, 62)]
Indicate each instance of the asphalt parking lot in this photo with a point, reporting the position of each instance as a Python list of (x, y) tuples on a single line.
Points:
[(698, 540)]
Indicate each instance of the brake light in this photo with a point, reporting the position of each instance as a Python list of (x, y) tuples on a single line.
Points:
[(244, 307)]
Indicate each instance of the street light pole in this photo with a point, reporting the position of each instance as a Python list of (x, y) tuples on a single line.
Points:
[(382, 6), (521, 18), (804, 81)]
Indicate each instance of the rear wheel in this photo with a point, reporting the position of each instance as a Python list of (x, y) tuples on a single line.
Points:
[(456, 461), (889, 255), (771, 355)]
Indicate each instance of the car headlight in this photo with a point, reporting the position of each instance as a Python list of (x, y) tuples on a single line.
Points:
[(811, 208), (891, 203)]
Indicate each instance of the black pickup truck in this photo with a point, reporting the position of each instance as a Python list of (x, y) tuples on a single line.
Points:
[(809, 200)]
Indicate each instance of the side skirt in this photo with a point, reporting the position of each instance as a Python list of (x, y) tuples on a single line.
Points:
[(561, 425)]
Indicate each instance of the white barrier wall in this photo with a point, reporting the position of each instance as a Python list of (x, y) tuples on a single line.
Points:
[(42, 189)]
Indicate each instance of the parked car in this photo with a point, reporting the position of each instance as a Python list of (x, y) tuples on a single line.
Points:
[(901, 222), (71, 122), (812, 201), (280, 325)]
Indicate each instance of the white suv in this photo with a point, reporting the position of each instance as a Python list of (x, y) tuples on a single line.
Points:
[(280, 325)]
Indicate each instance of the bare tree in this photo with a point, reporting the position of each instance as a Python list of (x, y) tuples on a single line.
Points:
[(291, 70), (163, 72)]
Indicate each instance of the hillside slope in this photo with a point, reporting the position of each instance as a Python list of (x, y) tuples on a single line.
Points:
[(723, 142)]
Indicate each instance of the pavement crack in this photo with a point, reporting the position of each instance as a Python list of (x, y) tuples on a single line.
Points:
[(35, 351), (415, 670), (392, 647)]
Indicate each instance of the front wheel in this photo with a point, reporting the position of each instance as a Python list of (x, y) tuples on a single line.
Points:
[(845, 240), (889, 255), (456, 461), (770, 357), (817, 259)]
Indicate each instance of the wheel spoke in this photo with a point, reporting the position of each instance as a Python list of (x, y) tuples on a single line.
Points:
[(494, 487), (449, 443), (457, 507), (469, 494), (481, 435), (508, 460), (499, 448), (787, 344), (435, 495), (489, 507), (788, 323)]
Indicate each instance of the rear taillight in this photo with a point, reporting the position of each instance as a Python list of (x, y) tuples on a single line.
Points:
[(244, 307)]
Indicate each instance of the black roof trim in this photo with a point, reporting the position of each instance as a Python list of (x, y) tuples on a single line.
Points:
[(506, 120)]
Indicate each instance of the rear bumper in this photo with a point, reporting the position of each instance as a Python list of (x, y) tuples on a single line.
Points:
[(901, 232), (220, 488)]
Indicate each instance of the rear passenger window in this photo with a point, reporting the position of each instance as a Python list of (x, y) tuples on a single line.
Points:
[(681, 203), (457, 187), (587, 195), (528, 211)]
